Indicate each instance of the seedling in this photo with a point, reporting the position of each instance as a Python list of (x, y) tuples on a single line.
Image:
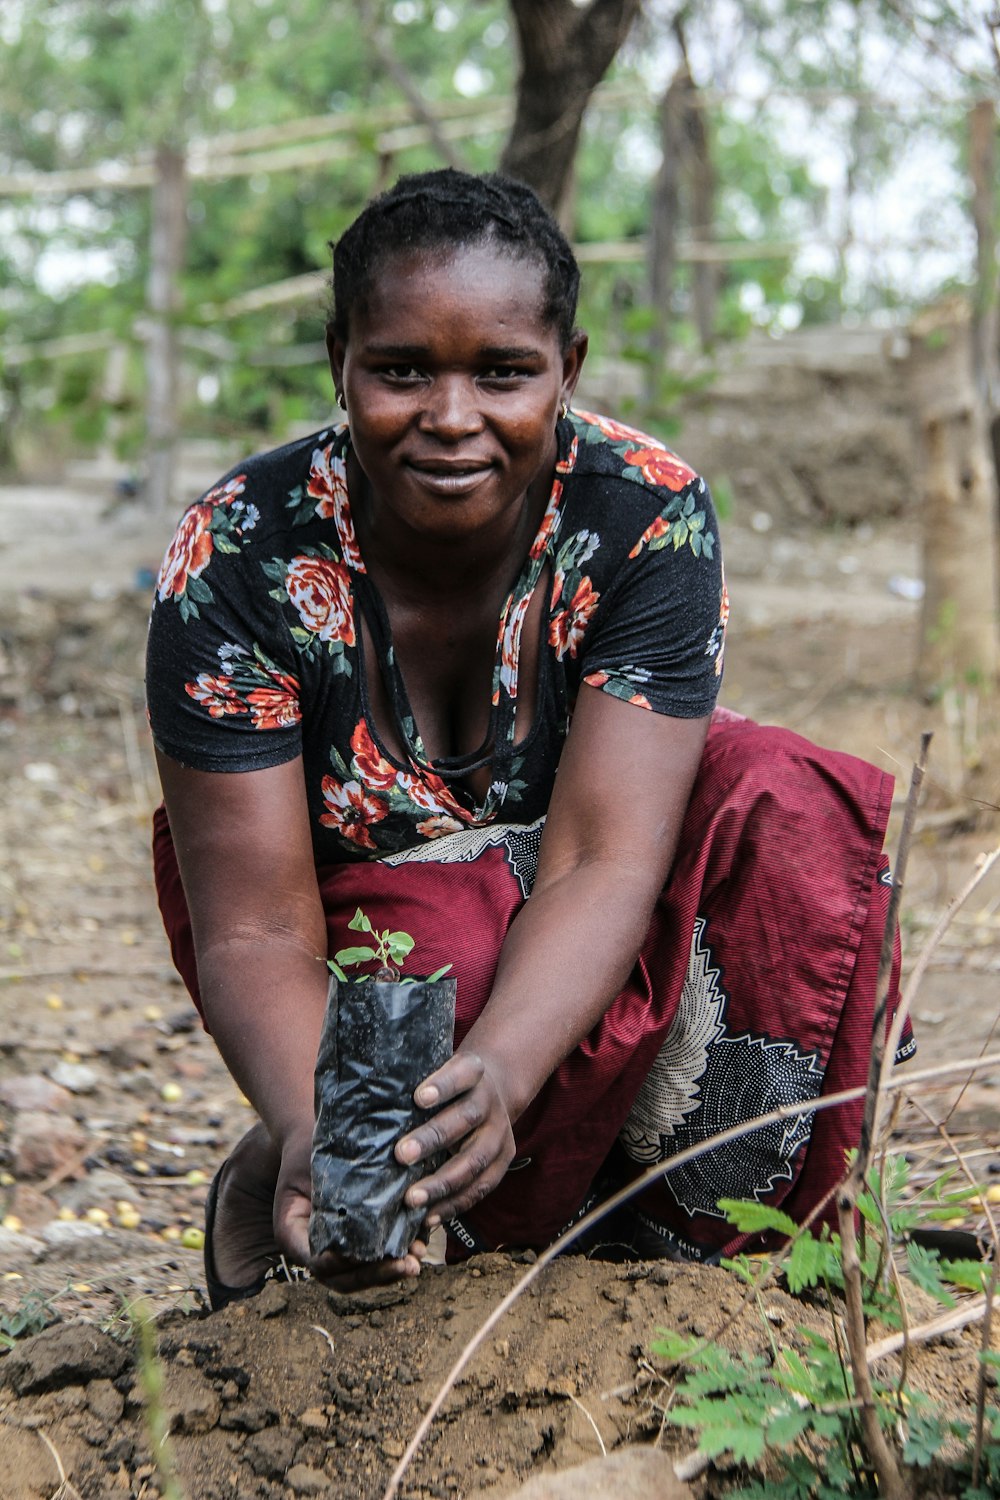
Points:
[(387, 949)]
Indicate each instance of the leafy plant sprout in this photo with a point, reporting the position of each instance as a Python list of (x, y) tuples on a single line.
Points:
[(387, 949)]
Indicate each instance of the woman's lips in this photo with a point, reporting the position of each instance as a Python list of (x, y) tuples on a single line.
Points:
[(450, 478)]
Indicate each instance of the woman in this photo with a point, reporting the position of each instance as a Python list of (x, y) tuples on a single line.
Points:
[(370, 652)]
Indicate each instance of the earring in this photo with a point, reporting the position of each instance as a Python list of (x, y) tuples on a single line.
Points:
[(564, 411), (341, 402)]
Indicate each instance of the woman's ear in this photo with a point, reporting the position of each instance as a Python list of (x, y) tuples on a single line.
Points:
[(336, 350), (573, 362)]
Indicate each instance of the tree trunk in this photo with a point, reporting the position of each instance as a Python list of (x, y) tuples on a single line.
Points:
[(664, 219), (565, 49), (701, 215), (960, 634), (163, 299), (983, 168)]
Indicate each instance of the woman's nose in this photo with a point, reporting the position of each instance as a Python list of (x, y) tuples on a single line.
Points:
[(452, 408)]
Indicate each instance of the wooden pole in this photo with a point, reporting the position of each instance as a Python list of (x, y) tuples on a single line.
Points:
[(168, 235), (960, 635), (983, 169)]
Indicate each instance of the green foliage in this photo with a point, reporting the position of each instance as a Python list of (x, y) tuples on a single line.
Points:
[(387, 949), (33, 1313), (791, 1418)]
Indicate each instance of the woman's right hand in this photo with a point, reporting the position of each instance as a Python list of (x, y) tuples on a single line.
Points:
[(292, 1207)]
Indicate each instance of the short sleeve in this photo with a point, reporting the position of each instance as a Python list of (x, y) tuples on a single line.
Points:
[(221, 686), (658, 633)]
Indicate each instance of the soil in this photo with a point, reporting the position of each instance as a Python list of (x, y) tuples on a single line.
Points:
[(115, 1110)]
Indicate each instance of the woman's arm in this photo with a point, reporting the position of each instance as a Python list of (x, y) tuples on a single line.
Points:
[(621, 793), (246, 861)]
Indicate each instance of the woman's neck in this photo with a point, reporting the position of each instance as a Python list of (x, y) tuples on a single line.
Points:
[(415, 566)]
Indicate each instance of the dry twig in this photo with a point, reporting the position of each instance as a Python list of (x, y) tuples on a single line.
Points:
[(880, 1453)]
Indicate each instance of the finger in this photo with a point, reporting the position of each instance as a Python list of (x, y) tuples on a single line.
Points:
[(445, 1130), (331, 1270), (291, 1227), (457, 1076), (475, 1170)]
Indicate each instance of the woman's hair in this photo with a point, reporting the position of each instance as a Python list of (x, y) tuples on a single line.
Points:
[(449, 210)]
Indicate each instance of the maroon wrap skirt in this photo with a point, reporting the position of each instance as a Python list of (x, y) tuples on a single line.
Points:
[(755, 987)]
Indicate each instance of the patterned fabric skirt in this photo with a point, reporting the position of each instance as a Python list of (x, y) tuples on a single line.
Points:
[(755, 987)]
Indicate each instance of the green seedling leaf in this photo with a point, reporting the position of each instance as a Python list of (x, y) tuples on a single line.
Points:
[(674, 1347), (807, 1264), (787, 1426), (754, 1218), (332, 963), (355, 955), (438, 974), (359, 922), (399, 945), (968, 1274)]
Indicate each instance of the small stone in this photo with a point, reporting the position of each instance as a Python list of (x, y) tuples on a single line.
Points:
[(69, 1235), (33, 1091), (271, 1453), (313, 1420), (66, 1354), (305, 1481), (273, 1299), (44, 1144), (392, 1448), (15, 1243), (97, 1189), (105, 1401), (190, 1404), (630, 1473), (76, 1077)]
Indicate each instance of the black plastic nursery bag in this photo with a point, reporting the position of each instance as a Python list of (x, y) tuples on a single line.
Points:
[(380, 1040)]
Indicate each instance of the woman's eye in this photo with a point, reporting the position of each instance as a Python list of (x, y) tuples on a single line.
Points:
[(402, 372), (502, 373)]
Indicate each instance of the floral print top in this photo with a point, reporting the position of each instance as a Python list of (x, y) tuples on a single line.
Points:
[(255, 657)]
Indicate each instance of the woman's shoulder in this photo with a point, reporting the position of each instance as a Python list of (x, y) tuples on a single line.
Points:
[(631, 494), (283, 487), (612, 449)]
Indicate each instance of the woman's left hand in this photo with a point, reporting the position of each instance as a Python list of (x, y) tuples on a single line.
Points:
[(472, 1124)]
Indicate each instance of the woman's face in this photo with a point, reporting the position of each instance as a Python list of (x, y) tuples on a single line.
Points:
[(453, 381)]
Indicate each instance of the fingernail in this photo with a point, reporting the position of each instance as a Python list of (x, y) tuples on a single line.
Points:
[(407, 1151), (427, 1097), (432, 1221), (416, 1197)]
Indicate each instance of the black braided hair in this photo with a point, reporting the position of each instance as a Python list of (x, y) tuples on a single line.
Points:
[(452, 210)]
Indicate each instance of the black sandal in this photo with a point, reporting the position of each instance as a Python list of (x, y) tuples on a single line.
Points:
[(219, 1294)]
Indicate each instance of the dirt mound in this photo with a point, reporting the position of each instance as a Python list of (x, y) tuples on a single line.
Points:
[(305, 1392)]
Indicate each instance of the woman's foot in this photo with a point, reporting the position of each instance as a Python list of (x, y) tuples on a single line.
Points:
[(240, 1247)]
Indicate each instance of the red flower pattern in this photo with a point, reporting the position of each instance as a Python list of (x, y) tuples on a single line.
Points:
[(660, 466), (370, 765), (657, 528), (189, 553), (430, 793), (320, 590), (618, 432), (328, 485), (349, 811), (438, 826), (566, 629), (275, 707), (215, 694), (511, 643), (549, 519)]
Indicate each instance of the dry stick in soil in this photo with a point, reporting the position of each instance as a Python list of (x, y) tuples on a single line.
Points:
[(977, 1452), (661, 1169), (984, 865), (880, 1453)]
